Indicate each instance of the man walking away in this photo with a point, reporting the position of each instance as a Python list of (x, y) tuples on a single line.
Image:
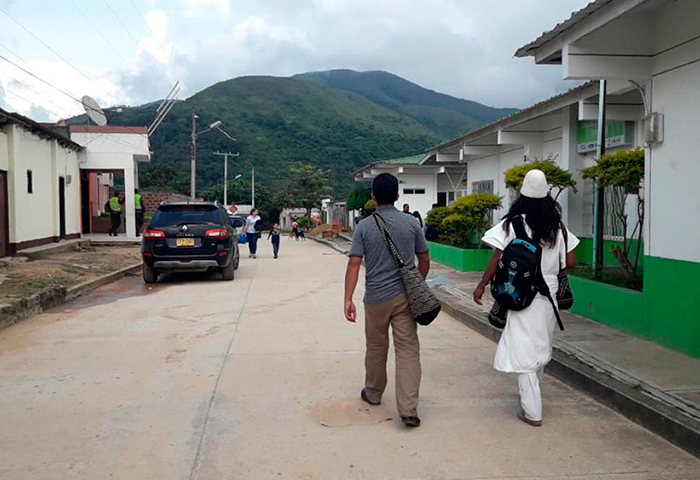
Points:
[(138, 205), (385, 299), (113, 206)]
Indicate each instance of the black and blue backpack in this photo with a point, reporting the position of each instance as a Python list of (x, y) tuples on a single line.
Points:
[(519, 277)]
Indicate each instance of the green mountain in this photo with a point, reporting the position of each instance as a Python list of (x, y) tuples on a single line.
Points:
[(442, 114), (279, 122)]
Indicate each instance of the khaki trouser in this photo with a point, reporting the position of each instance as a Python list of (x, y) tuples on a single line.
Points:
[(378, 317)]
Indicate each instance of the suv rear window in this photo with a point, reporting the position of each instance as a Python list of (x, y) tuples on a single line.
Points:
[(166, 215)]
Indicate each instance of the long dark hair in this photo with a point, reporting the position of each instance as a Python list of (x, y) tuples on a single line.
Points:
[(542, 215)]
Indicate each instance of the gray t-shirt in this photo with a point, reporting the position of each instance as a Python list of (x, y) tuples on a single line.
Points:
[(382, 279)]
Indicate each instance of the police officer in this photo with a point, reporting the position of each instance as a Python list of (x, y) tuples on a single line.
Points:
[(114, 207), (138, 206)]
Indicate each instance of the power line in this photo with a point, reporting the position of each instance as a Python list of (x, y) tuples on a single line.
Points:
[(7, 90), (143, 19), (104, 37), (52, 50), (128, 32), (40, 79), (59, 89)]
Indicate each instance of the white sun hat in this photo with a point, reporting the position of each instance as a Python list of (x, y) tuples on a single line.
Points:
[(535, 185)]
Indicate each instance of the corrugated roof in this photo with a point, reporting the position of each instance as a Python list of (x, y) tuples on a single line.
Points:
[(37, 128), (412, 160), (517, 115), (562, 27)]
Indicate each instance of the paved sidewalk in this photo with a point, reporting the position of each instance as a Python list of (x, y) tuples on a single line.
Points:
[(662, 374)]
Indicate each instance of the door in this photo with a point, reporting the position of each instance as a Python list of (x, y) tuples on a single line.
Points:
[(4, 217), (86, 218), (442, 199), (62, 206)]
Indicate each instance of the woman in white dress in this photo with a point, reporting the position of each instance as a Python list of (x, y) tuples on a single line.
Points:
[(525, 346)]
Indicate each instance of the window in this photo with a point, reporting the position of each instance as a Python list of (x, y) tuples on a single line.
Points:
[(30, 182), (484, 186), (408, 191), (419, 191), (414, 191)]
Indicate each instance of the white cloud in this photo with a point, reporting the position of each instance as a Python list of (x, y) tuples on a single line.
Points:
[(206, 7), (156, 44)]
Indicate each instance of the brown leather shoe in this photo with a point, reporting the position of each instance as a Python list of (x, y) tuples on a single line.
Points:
[(532, 423)]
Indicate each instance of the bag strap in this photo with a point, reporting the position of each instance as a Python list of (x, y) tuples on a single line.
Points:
[(565, 234), (543, 288), (388, 240), (519, 227)]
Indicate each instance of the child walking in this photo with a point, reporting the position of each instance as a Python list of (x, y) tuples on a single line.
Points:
[(275, 235)]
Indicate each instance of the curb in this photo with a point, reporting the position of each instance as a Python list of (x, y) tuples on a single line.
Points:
[(52, 296), (653, 413), (332, 245)]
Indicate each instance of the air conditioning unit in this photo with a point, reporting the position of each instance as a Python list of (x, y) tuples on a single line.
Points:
[(654, 128)]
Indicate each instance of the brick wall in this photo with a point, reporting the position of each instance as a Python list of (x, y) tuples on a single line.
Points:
[(152, 199)]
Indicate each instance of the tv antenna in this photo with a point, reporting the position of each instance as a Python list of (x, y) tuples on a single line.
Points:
[(93, 111), (164, 108)]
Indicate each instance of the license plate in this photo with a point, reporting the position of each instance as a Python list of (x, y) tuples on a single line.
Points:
[(185, 242)]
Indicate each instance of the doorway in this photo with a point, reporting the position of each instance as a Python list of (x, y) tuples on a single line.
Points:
[(4, 217), (62, 206)]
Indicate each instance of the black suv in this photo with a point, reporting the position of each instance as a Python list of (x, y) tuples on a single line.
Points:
[(196, 236)]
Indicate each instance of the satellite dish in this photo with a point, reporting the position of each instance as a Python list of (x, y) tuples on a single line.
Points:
[(93, 111)]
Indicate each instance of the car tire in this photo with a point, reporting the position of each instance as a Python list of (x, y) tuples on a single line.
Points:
[(236, 262), (150, 274), (228, 272)]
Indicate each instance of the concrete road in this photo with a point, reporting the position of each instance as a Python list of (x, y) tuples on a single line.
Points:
[(258, 379)]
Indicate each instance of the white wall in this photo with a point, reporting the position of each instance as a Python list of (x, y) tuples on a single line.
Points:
[(4, 153), (673, 200), (36, 216), (421, 202)]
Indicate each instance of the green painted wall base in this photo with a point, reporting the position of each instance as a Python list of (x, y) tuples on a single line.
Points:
[(460, 258), (667, 311), (584, 252)]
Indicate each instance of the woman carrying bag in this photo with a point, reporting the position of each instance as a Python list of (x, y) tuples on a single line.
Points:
[(525, 346)]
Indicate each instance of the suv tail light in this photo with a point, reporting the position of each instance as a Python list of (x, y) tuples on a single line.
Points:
[(153, 233), (217, 233)]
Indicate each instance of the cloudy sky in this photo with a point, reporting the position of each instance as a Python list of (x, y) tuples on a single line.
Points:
[(133, 51)]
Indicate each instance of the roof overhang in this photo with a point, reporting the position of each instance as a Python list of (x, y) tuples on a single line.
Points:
[(549, 47), (39, 129)]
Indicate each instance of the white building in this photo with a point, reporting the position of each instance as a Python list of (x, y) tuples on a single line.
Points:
[(558, 129), (421, 185), (652, 47), (110, 150), (39, 184)]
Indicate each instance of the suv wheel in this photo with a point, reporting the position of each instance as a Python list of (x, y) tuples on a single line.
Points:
[(227, 272), (150, 275), (236, 262)]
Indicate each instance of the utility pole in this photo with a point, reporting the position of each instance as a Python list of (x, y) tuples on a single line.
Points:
[(599, 205), (226, 155), (193, 157), (253, 187)]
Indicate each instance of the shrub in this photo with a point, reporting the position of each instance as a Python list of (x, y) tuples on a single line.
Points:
[(556, 176), (369, 207), (623, 169), (463, 223)]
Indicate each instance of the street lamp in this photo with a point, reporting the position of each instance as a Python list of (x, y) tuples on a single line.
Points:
[(193, 154)]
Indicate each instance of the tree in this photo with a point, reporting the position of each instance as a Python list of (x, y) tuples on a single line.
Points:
[(311, 185), (556, 176), (623, 169), (358, 196)]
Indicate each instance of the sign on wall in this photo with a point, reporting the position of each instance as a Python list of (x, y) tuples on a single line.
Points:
[(618, 133)]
